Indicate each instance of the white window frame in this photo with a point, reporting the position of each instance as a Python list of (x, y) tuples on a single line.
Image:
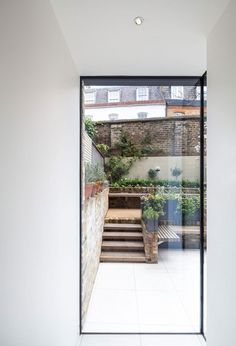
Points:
[(142, 94), (142, 115), (198, 93), (113, 96), (177, 92), (90, 100), (113, 116)]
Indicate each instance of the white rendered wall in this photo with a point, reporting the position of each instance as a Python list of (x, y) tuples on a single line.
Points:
[(190, 166), (39, 100), (221, 319), (128, 112)]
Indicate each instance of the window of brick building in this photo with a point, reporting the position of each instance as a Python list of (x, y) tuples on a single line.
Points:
[(142, 94), (142, 115), (113, 116), (177, 92), (90, 97), (114, 96)]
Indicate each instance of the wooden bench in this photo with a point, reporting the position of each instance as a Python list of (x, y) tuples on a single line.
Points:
[(166, 233)]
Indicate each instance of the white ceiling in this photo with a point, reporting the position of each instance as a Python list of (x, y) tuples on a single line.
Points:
[(103, 39)]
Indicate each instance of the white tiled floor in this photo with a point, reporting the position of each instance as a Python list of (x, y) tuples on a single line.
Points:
[(161, 297), (144, 340)]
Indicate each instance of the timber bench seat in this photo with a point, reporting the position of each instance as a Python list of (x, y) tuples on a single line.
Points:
[(167, 233)]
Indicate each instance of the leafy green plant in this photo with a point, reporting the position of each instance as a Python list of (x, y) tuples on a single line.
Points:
[(153, 205), (90, 127), (147, 139), (89, 173), (176, 172), (152, 173), (188, 204), (117, 167), (150, 213), (145, 151), (94, 173), (123, 182), (104, 148), (127, 147)]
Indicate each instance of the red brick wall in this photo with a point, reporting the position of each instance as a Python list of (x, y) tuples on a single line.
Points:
[(171, 136)]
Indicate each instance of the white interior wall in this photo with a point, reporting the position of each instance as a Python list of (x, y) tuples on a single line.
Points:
[(39, 98), (39, 168), (222, 181)]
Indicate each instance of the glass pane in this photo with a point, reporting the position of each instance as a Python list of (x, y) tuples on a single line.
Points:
[(141, 208), (205, 203)]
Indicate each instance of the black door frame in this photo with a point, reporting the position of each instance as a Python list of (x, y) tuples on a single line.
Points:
[(149, 81)]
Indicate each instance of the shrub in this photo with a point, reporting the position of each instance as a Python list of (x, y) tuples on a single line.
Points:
[(176, 172), (117, 167), (126, 147), (153, 206), (188, 204), (148, 182), (152, 173), (104, 148), (94, 173), (90, 127)]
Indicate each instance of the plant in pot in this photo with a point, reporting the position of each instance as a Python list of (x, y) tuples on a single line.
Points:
[(100, 178), (152, 174), (89, 181), (152, 209)]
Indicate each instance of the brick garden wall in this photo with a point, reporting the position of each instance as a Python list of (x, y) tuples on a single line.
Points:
[(172, 136), (93, 213)]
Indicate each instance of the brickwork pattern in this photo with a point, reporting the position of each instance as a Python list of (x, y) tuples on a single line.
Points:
[(172, 136)]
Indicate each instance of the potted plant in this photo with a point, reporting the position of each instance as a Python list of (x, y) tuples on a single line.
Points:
[(100, 178), (89, 181), (152, 209)]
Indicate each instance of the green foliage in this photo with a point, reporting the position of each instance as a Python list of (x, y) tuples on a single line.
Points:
[(104, 148), (117, 167), (145, 151), (152, 173), (125, 182), (176, 172), (188, 204), (147, 139), (153, 205), (90, 127), (126, 147), (146, 145), (94, 173)]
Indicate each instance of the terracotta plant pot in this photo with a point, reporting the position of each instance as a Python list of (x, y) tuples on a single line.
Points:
[(98, 186), (89, 187)]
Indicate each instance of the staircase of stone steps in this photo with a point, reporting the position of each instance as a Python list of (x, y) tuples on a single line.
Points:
[(122, 236)]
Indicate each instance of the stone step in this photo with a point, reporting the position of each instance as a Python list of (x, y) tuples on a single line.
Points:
[(124, 227), (114, 245), (123, 235), (126, 194), (127, 257)]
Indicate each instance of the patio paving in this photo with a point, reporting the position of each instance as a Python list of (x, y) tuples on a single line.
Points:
[(134, 297)]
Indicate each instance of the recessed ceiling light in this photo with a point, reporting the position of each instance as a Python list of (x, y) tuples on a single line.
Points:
[(138, 20)]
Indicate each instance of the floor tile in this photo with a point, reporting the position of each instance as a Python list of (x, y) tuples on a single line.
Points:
[(161, 307), (118, 306), (170, 340), (115, 276), (148, 298), (111, 340)]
